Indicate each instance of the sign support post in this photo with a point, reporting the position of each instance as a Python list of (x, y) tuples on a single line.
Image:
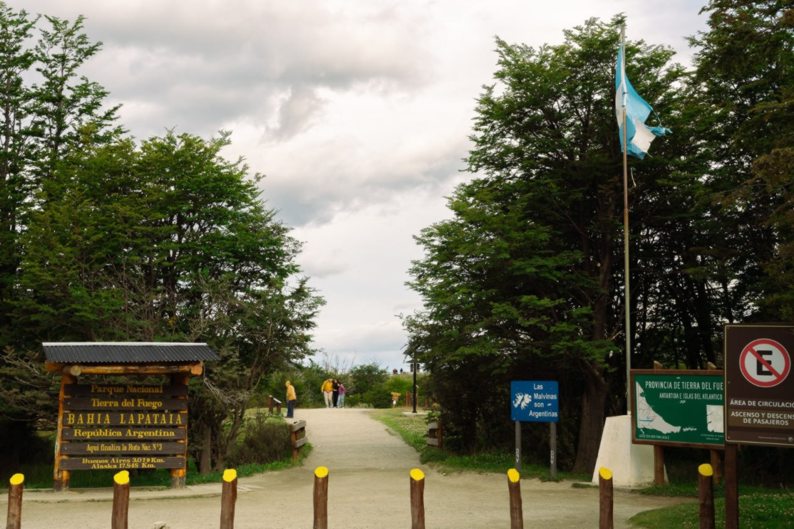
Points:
[(553, 449), (759, 397), (518, 445)]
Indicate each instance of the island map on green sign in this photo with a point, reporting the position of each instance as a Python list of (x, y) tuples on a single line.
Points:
[(677, 408)]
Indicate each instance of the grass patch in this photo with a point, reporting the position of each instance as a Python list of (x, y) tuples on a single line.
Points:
[(412, 429), (768, 510)]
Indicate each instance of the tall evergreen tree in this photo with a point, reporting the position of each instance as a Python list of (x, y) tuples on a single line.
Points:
[(526, 276), (745, 71), (47, 109)]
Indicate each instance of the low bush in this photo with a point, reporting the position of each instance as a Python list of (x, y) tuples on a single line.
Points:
[(264, 440)]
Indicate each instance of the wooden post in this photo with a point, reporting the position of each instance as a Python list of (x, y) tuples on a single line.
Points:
[(61, 477), (121, 500), (228, 498), (658, 465), (706, 496), (516, 510), (716, 466), (178, 475), (320, 498), (14, 519), (731, 487), (297, 427), (605, 499), (658, 451), (553, 450), (518, 445), (417, 499)]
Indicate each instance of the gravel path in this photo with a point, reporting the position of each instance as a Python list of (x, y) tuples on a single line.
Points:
[(368, 488)]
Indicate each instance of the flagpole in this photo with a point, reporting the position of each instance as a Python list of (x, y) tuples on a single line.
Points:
[(626, 275)]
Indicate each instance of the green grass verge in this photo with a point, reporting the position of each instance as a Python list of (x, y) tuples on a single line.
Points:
[(768, 510), (412, 429)]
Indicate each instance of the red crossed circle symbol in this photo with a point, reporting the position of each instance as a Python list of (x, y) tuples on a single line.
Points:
[(772, 368)]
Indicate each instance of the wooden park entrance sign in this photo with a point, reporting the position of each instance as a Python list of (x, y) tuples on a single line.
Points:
[(123, 426)]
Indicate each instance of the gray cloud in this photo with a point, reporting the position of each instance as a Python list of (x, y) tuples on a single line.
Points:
[(199, 67)]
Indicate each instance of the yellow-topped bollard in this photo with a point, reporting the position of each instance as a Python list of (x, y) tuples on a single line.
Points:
[(228, 498), (121, 500), (320, 498), (417, 498), (605, 499), (516, 507), (706, 495), (14, 520)]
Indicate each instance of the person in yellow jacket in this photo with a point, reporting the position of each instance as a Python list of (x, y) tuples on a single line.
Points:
[(292, 399), (328, 392)]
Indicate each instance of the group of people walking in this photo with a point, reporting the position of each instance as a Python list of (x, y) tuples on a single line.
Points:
[(333, 393)]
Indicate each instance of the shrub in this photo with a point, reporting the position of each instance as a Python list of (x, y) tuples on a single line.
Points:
[(264, 440)]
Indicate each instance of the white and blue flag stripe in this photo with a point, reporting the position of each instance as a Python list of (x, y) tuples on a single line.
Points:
[(638, 135)]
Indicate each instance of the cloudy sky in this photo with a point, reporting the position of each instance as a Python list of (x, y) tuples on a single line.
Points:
[(357, 111)]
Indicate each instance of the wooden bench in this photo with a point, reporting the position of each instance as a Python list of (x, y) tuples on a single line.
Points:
[(297, 437)]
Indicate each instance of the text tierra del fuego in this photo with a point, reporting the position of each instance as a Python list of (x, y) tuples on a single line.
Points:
[(104, 419)]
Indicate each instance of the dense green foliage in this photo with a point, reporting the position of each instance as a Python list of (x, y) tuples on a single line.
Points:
[(366, 385), (525, 281), (108, 239)]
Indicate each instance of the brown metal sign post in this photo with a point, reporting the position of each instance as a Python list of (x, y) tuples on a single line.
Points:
[(759, 396)]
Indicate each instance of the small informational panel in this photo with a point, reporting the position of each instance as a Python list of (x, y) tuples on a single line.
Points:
[(678, 407), (123, 426), (534, 401), (759, 390)]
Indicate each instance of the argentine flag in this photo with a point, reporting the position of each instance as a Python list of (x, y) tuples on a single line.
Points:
[(639, 135)]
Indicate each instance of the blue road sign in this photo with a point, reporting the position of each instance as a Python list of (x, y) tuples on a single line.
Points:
[(534, 401)]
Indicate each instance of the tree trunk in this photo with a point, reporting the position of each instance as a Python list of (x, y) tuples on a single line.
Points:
[(205, 463), (592, 421)]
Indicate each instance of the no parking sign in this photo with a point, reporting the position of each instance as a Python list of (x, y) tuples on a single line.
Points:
[(765, 363), (759, 393)]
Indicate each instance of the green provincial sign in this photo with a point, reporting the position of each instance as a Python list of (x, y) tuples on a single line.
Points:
[(678, 407)]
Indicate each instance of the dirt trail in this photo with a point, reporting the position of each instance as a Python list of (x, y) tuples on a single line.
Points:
[(368, 488)]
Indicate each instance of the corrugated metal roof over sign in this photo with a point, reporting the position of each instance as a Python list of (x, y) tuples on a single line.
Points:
[(127, 352)]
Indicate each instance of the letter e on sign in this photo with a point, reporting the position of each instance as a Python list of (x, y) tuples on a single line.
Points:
[(764, 363)]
